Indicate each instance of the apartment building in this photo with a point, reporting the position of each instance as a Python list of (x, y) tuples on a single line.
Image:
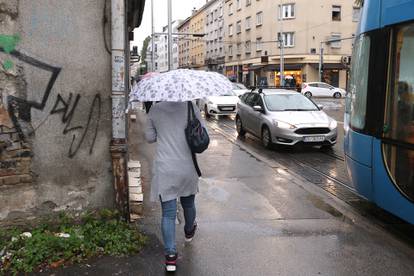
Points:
[(184, 58), (255, 29), (161, 50), (214, 28), (195, 51)]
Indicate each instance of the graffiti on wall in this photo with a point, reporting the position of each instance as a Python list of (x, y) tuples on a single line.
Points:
[(8, 43), (20, 109)]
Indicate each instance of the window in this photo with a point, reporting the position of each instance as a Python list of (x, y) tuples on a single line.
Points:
[(359, 83), (248, 2), (288, 39), (238, 27), (258, 44), (230, 8), (399, 111), (248, 46), (238, 4), (230, 29), (356, 12), (287, 11), (221, 11), (248, 23), (335, 44), (336, 13), (259, 18), (238, 49), (211, 17)]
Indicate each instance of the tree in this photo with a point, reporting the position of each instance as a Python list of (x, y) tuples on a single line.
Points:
[(144, 48)]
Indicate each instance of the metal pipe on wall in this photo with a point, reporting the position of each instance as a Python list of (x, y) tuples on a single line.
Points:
[(170, 42), (118, 146)]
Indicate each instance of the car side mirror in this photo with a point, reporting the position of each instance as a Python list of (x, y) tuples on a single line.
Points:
[(320, 106), (258, 108)]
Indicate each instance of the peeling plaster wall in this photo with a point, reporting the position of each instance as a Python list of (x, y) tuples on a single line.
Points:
[(55, 107)]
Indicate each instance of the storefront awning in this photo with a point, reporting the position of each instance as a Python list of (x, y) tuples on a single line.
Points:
[(276, 67), (255, 67), (330, 66)]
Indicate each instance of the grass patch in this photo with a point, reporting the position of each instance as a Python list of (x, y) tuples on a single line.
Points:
[(67, 240)]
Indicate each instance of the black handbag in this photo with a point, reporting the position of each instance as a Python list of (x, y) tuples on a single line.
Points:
[(196, 135)]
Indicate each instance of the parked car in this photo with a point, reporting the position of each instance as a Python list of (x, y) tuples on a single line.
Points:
[(321, 89), (239, 89), (279, 116), (219, 105)]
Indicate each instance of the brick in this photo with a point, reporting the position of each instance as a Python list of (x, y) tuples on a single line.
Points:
[(10, 180), (26, 178), (15, 137), (5, 137)]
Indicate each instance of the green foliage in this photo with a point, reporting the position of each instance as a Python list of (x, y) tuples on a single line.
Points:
[(144, 48), (92, 234)]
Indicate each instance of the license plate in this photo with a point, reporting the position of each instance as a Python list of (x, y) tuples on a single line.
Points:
[(227, 108), (314, 139)]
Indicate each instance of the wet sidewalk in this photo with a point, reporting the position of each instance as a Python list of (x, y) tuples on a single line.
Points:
[(258, 218)]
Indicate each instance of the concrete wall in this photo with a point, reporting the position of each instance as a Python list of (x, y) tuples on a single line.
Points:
[(55, 112)]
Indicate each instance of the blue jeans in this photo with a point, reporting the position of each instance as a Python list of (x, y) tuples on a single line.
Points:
[(169, 213)]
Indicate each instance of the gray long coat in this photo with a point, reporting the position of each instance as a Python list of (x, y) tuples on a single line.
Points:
[(174, 174)]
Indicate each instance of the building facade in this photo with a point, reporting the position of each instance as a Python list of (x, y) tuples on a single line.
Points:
[(161, 51), (253, 36), (193, 53), (214, 30), (184, 60), (57, 129)]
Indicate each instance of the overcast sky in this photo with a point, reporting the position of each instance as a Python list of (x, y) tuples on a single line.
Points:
[(181, 9)]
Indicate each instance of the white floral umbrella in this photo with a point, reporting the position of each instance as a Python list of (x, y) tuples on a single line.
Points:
[(180, 85)]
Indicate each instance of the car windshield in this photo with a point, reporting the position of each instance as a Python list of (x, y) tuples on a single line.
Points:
[(228, 93), (238, 86), (289, 102)]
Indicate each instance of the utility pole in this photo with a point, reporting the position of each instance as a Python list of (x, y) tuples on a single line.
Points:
[(320, 60), (152, 37), (169, 36), (282, 45)]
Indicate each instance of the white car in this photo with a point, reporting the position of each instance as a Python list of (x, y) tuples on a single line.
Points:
[(239, 89), (321, 89), (219, 105)]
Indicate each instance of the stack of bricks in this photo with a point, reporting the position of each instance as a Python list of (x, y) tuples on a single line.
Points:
[(135, 189), (15, 154)]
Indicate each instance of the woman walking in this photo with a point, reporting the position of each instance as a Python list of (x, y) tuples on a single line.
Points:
[(174, 174)]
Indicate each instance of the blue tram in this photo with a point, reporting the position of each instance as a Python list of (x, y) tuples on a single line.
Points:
[(379, 113)]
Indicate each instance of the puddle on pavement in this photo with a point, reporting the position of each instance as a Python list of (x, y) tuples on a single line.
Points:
[(322, 205)]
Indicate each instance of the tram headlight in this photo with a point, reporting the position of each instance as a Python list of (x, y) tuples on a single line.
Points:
[(333, 124)]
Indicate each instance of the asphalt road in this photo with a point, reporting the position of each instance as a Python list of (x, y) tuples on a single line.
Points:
[(261, 212)]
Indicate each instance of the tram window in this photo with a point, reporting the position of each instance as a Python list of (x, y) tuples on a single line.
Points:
[(399, 120), (359, 82)]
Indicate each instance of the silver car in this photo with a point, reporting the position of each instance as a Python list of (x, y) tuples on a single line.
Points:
[(284, 117)]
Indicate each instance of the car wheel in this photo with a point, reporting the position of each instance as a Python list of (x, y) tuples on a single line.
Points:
[(308, 94), (337, 95), (266, 137), (239, 127), (206, 112)]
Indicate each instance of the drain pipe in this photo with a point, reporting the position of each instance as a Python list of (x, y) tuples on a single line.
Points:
[(118, 146)]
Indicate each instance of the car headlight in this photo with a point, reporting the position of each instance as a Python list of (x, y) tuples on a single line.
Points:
[(210, 102), (283, 125), (333, 124)]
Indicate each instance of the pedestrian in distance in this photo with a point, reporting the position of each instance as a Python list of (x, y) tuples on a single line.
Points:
[(174, 173)]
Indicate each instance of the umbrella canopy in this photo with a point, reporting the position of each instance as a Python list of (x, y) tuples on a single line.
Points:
[(180, 85), (149, 75)]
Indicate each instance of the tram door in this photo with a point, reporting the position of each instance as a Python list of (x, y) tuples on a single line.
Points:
[(398, 145)]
